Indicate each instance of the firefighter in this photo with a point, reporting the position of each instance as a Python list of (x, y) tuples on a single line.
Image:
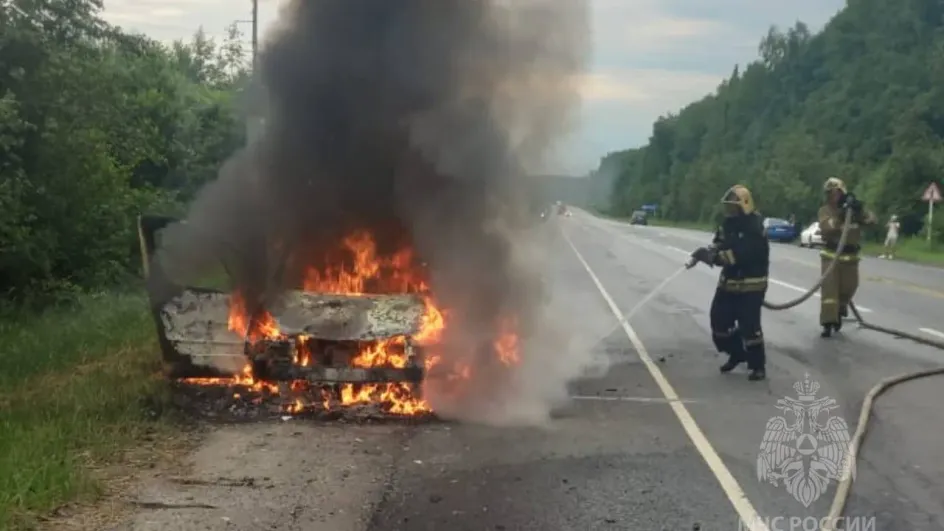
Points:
[(840, 286), (741, 249)]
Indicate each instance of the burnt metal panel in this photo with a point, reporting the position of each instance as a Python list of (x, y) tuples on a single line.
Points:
[(358, 375), (349, 317), (161, 290)]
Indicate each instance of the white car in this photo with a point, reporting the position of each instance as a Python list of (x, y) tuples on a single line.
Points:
[(811, 236)]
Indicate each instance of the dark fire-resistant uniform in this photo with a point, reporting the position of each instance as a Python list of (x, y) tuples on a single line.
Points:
[(840, 286), (741, 248)]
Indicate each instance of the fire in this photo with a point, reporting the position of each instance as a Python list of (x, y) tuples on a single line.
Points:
[(507, 343), (365, 272)]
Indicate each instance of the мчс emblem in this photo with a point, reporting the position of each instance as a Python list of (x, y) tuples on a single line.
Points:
[(800, 450)]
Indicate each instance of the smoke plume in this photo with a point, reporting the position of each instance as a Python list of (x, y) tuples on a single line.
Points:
[(416, 120)]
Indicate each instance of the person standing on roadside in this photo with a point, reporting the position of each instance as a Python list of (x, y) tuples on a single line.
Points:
[(891, 237)]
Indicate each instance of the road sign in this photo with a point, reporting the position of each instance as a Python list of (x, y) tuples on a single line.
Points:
[(932, 193)]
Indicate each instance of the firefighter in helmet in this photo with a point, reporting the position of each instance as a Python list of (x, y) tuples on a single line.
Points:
[(741, 249), (840, 286)]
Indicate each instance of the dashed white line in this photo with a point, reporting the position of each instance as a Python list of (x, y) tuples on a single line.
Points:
[(728, 484), (798, 289), (933, 332), (643, 399)]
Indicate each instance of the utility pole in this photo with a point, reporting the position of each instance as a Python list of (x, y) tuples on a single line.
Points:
[(255, 34), (252, 120)]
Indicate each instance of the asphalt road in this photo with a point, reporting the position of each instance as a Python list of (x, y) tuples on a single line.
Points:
[(621, 458), (653, 439)]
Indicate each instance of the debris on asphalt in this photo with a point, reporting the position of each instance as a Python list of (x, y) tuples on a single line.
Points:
[(239, 403)]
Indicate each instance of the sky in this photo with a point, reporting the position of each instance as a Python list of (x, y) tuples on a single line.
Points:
[(650, 57)]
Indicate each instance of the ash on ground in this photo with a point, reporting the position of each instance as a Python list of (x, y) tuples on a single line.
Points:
[(229, 403)]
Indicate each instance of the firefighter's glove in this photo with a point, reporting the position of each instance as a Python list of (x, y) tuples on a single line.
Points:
[(851, 202), (706, 255)]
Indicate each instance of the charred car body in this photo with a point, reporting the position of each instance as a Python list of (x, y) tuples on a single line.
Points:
[(320, 338)]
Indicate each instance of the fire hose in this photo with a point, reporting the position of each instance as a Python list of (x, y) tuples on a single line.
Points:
[(844, 486)]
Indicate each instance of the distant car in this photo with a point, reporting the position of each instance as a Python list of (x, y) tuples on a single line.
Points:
[(811, 236), (638, 218), (780, 230)]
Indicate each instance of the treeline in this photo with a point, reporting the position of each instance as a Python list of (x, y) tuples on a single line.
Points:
[(96, 126), (862, 100)]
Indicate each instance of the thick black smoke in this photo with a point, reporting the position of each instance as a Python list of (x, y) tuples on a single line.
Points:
[(416, 120)]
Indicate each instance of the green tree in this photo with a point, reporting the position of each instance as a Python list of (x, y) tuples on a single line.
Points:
[(863, 100), (97, 125)]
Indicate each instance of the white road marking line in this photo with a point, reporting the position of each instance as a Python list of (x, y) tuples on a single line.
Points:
[(634, 399), (932, 332), (730, 485), (798, 289)]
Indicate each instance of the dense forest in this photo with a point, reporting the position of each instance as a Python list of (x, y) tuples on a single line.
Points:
[(862, 100), (96, 126)]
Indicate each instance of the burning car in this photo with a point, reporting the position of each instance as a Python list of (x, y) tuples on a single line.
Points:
[(329, 339)]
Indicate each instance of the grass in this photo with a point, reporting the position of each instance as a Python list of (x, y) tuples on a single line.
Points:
[(77, 386)]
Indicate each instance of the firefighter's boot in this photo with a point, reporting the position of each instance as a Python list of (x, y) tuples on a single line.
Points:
[(730, 364), (757, 375), (829, 328)]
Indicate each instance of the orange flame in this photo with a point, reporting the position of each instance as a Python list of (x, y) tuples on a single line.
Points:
[(366, 271), (506, 346)]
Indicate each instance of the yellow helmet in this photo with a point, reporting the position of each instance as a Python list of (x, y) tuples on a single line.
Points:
[(834, 183), (740, 197)]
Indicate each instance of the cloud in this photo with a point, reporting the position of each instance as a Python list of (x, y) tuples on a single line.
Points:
[(168, 20), (650, 56), (647, 87), (645, 27), (603, 87), (661, 33)]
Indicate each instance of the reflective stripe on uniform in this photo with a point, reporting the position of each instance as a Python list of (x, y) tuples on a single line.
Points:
[(749, 284), (826, 302), (844, 257), (759, 340), (727, 256)]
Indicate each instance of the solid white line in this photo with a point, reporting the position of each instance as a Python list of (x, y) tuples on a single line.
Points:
[(730, 486), (932, 332), (633, 399)]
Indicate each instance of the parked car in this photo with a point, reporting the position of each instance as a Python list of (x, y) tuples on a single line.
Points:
[(780, 230), (638, 218), (811, 236)]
